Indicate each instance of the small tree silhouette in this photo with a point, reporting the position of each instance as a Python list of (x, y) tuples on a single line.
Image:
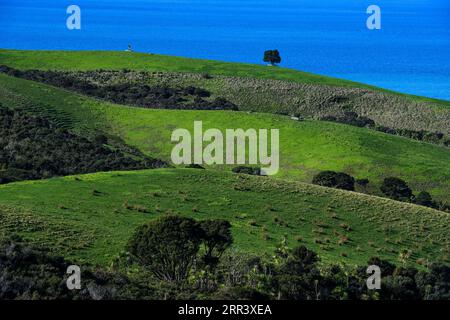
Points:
[(272, 56)]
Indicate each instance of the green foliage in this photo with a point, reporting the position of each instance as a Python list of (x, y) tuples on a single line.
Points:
[(298, 277), (333, 179), (167, 247), (34, 273), (247, 170), (396, 188), (362, 182), (424, 199), (64, 205), (351, 118), (216, 239)]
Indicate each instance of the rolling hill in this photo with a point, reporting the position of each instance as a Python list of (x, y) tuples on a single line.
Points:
[(306, 146), (90, 217), (251, 87)]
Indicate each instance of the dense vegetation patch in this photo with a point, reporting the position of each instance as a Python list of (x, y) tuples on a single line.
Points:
[(353, 119), (153, 271), (32, 147), (30, 272), (129, 93), (397, 189), (169, 247), (333, 179), (255, 171), (391, 187)]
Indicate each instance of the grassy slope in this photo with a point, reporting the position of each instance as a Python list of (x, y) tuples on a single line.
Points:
[(113, 60), (306, 147), (66, 215)]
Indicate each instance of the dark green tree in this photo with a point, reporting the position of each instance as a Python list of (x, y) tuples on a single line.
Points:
[(434, 283), (272, 56), (216, 239), (333, 179), (424, 199), (396, 189), (167, 247), (298, 278)]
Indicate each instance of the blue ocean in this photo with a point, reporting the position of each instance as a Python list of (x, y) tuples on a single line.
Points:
[(411, 52)]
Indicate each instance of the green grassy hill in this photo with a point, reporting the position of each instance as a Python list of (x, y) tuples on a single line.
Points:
[(306, 147), (116, 60), (252, 87), (90, 217), (113, 60)]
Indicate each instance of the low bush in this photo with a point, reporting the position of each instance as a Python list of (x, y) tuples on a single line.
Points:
[(247, 170), (334, 179), (397, 189)]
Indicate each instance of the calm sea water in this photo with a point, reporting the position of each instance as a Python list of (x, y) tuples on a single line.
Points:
[(411, 53)]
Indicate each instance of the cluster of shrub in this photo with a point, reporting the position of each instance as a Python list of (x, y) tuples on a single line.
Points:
[(32, 147), (174, 257), (352, 118), (397, 189), (254, 171), (392, 187), (138, 94)]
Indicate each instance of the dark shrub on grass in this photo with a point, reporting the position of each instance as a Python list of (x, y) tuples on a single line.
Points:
[(362, 182), (216, 239), (334, 179), (396, 188), (194, 166), (351, 118), (167, 247), (433, 137), (424, 199), (247, 170)]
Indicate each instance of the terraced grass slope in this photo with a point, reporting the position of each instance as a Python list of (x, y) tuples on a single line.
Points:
[(306, 147), (251, 87), (89, 218), (114, 60)]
